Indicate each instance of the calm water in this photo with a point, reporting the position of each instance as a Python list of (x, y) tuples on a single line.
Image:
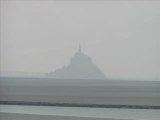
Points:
[(15, 112), (80, 91)]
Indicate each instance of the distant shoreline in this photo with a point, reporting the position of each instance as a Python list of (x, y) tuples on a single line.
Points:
[(77, 105)]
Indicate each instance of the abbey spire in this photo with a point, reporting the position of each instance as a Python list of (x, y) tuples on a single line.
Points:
[(79, 49)]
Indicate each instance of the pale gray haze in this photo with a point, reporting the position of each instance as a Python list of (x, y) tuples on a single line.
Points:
[(122, 37)]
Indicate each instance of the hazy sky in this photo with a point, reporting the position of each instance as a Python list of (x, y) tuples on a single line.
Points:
[(122, 37)]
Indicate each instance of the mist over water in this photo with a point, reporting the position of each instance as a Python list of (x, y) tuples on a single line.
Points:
[(121, 37), (118, 62)]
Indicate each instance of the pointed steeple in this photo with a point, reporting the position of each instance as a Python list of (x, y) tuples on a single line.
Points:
[(79, 49), (80, 67)]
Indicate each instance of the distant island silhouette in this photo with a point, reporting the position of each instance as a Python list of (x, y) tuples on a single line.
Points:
[(80, 67)]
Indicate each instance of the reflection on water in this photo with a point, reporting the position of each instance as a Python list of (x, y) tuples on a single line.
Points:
[(15, 116), (15, 112)]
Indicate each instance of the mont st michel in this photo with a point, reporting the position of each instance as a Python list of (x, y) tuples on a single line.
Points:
[(44, 75), (80, 67)]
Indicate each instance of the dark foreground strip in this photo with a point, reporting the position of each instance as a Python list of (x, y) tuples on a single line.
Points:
[(77, 105)]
